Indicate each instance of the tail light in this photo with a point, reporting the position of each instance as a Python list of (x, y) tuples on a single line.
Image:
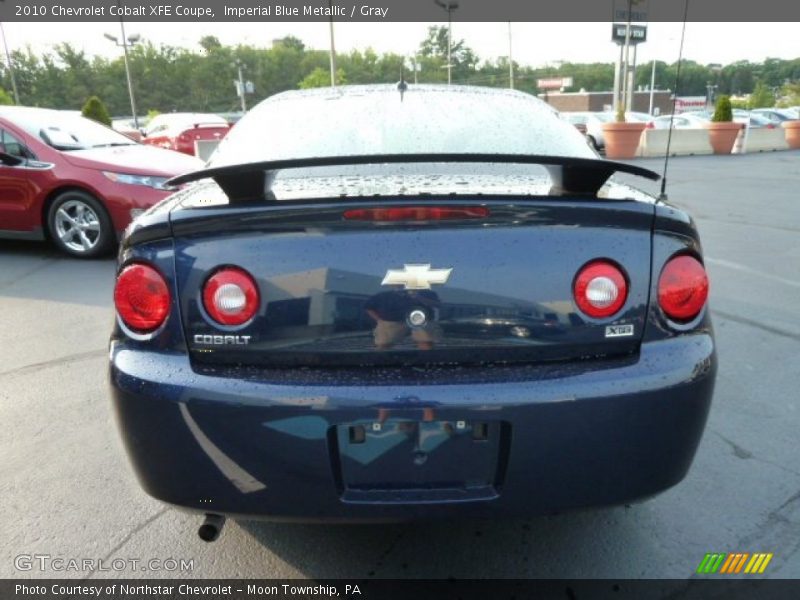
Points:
[(683, 288), (230, 296), (142, 298), (600, 289), (416, 213), (650, 125)]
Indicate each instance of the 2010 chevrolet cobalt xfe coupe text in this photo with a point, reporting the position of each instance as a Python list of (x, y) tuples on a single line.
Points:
[(393, 302)]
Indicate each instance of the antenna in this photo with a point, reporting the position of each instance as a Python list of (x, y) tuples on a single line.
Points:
[(663, 194), (402, 86)]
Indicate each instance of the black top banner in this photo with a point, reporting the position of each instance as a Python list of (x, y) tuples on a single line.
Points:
[(400, 10)]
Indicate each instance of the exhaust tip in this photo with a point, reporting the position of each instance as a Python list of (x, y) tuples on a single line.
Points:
[(211, 528)]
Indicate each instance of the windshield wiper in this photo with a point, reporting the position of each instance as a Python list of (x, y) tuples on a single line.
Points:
[(112, 144)]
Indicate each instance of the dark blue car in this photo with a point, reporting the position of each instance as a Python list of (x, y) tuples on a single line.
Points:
[(399, 302)]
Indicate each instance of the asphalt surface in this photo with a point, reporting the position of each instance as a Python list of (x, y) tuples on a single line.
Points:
[(67, 489)]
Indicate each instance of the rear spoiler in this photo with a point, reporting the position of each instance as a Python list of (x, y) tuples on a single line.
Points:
[(253, 181)]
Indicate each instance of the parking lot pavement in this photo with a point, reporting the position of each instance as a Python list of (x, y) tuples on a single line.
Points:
[(68, 490)]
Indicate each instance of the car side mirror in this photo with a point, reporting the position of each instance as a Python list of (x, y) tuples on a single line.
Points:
[(10, 160)]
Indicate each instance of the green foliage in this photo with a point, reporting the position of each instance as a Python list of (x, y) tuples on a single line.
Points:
[(319, 77), (5, 97), (761, 97), (789, 95), (739, 103), (201, 79), (723, 113), (95, 110)]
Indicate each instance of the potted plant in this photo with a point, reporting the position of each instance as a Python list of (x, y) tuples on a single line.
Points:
[(622, 138), (722, 131)]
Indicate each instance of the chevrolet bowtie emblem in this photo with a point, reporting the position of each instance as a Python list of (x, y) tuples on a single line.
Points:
[(416, 277)]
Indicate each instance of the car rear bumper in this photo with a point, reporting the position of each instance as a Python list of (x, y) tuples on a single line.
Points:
[(558, 436)]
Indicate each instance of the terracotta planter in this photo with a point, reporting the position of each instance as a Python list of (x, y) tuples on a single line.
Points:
[(723, 136), (622, 139), (791, 129)]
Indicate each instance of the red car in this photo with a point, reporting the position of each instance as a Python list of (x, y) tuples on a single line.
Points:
[(75, 181), (190, 133)]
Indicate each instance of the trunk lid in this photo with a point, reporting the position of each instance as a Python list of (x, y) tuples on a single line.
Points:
[(333, 291)]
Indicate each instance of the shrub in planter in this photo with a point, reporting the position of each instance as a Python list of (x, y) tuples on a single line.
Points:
[(722, 131), (95, 110), (621, 138)]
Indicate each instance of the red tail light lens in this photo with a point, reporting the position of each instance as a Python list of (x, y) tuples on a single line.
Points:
[(600, 289), (230, 296), (650, 125), (416, 213), (683, 288), (141, 297)]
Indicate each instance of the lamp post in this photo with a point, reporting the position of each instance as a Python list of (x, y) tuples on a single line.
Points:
[(415, 66), (652, 87), (241, 85), (127, 42), (333, 50), (449, 6), (510, 60), (10, 66)]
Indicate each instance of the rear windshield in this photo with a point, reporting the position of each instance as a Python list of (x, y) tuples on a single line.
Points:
[(379, 120)]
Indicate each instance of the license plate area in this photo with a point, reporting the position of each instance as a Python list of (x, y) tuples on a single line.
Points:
[(410, 460)]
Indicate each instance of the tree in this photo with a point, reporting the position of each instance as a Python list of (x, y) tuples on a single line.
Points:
[(317, 78), (790, 94), (433, 57), (95, 110), (761, 97), (320, 77), (5, 97)]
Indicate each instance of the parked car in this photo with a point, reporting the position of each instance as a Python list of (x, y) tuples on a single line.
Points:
[(127, 127), (74, 181), (185, 132), (696, 119), (687, 120), (592, 122), (775, 115), (638, 117), (280, 348)]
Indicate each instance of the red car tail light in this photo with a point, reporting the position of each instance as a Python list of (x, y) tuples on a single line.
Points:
[(230, 296), (600, 289), (141, 297), (683, 288), (416, 213)]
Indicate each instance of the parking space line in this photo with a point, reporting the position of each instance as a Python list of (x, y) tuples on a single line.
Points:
[(751, 271)]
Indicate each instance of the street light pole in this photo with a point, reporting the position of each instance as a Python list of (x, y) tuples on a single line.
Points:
[(10, 66), (127, 41), (652, 86), (333, 50), (242, 87), (449, 7), (510, 60)]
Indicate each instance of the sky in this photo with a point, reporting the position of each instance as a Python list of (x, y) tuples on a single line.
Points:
[(534, 44)]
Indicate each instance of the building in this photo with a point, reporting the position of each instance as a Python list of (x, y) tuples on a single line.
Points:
[(603, 101)]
